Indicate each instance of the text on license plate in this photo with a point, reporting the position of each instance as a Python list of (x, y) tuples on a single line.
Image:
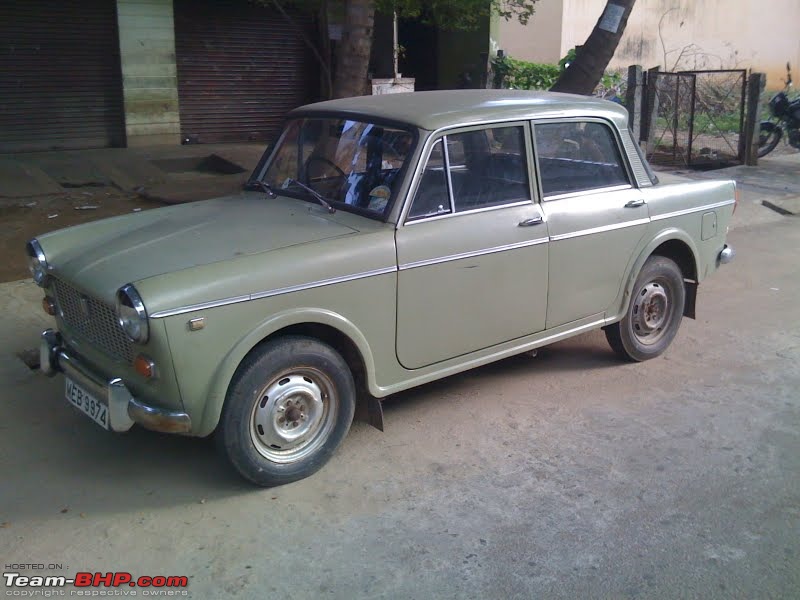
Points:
[(88, 404)]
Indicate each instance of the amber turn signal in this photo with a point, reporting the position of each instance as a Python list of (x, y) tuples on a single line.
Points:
[(144, 366), (49, 306)]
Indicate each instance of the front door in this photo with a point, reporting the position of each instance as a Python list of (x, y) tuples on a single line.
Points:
[(472, 251)]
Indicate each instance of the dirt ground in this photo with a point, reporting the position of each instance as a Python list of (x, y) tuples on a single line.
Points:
[(570, 475), (24, 218)]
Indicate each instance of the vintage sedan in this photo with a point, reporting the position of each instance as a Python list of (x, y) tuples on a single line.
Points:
[(380, 244)]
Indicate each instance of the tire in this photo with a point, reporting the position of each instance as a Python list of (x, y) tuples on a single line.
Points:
[(769, 134), (288, 408), (654, 313)]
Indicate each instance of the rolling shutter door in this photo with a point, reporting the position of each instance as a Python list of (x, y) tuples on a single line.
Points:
[(60, 82), (241, 67)]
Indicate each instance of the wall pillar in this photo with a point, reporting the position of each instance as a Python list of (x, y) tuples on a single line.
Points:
[(149, 72), (633, 100), (749, 137)]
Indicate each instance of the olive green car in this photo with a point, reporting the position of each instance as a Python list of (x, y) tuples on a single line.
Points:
[(381, 243)]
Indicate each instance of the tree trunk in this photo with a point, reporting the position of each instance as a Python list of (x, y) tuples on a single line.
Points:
[(586, 71), (352, 55)]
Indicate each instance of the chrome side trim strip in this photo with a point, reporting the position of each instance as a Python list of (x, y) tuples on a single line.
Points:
[(200, 306), (269, 293), (688, 211), (473, 211), (604, 228), (462, 255), (600, 190), (321, 283), (568, 332), (484, 359)]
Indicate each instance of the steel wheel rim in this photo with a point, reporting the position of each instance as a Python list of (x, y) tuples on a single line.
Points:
[(293, 415), (651, 311)]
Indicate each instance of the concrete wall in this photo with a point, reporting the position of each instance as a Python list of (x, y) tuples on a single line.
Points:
[(149, 72), (540, 40), (712, 34)]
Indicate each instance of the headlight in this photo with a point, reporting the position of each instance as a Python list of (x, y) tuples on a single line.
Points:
[(132, 314), (37, 263)]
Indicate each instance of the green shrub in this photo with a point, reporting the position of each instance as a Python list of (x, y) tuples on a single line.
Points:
[(511, 73)]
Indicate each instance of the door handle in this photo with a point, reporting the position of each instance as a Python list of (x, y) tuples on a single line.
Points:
[(634, 203), (531, 222)]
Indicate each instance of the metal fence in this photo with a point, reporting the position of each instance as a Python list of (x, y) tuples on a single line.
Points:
[(696, 118)]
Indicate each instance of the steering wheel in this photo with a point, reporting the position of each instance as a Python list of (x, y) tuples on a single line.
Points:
[(326, 161)]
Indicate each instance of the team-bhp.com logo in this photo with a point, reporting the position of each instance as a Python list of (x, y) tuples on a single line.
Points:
[(157, 585)]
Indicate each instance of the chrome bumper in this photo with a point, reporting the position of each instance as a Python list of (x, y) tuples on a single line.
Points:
[(123, 409), (726, 255)]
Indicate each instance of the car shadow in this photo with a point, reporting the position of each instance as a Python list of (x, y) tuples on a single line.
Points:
[(581, 353), (59, 461)]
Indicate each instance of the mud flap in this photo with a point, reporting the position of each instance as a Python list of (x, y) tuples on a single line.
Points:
[(370, 410), (691, 299)]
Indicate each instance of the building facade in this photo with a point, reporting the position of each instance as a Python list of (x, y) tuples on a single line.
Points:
[(100, 73), (673, 34)]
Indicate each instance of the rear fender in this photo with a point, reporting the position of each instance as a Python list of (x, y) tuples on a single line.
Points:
[(691, 287)]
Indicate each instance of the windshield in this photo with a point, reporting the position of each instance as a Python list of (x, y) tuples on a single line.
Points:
[(349, 163)]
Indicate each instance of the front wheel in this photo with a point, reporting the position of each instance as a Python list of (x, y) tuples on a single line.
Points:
[(654, 313), (289, 406), (769, 134)]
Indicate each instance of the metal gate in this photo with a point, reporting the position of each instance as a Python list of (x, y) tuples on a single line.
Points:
[(695, 118), (241, 68), (60, 80)]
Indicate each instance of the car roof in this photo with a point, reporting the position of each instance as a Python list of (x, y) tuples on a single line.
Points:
[(437, 109)]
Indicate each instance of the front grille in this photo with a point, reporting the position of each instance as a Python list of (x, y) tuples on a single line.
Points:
[(93, 320)]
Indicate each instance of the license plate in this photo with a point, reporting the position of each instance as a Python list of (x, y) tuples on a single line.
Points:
[(88, 404)]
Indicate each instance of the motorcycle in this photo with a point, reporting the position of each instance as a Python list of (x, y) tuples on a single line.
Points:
[(785, 114)]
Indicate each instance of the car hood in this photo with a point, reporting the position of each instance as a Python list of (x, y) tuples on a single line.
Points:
[(105, 255)]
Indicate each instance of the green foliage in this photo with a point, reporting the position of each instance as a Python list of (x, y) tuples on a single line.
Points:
[(613, 84), (569, 58), (458, 14), (511, 73), (522, 75)]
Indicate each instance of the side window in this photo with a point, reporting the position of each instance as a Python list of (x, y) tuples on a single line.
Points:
[(576, 156), (488, 167), (432, 197)]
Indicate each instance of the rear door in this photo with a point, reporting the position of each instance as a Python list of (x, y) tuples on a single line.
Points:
[(472, 251), (595, 215)]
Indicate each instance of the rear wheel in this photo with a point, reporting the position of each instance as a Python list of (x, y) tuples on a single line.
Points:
[(288, 408), (654, 313), (769, 134)]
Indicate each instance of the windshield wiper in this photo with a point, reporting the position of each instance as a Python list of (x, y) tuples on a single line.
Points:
[(260, 185), (314, 193)]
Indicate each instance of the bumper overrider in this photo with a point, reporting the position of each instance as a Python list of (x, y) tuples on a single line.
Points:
[(123, 408), (726, 255)]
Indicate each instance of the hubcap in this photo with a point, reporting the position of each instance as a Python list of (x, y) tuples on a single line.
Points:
[(292, 416), (651, 312)]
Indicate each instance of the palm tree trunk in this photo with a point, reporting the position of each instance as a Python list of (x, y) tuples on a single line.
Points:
[(352, 55), (586, 71)]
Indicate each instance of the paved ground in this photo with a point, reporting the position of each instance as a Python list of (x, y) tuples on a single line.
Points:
[(570, 475)]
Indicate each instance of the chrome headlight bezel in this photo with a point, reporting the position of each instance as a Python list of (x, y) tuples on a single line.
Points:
[(37, 262), (132, 315)]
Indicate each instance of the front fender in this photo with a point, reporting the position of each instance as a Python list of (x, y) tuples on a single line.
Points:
[(672, 233), (227, 367)]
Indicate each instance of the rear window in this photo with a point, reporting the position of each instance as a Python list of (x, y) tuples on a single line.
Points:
[(578, 156)]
